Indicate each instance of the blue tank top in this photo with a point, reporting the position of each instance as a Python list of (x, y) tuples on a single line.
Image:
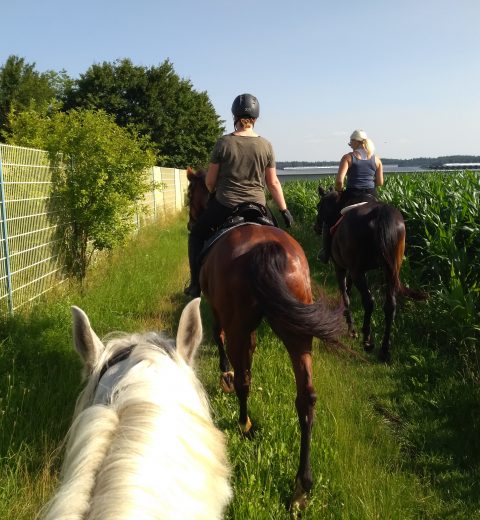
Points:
[(361, 174)]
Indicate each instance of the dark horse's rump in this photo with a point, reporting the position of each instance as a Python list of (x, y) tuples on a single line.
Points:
[(368, 237), (254, 272)]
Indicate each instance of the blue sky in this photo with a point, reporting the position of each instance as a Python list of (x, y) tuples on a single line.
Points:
[(406, 72)]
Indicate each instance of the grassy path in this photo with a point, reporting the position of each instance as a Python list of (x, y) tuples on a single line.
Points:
[(358, 457)]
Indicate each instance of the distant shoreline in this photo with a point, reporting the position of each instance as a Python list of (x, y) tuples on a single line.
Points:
[(417, 163)]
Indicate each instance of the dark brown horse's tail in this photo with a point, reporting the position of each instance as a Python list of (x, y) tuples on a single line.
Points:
[(268, 265), (390, 238)]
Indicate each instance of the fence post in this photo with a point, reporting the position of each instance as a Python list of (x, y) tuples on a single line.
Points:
[(6, 251), (178, 191), (154, 189)]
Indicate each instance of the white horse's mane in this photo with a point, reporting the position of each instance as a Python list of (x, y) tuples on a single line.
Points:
[(151, 451)]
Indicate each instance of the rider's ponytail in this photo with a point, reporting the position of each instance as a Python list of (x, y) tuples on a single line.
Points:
[(369, 147)]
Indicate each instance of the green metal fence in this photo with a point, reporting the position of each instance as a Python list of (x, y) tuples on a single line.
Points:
[(29, 263)]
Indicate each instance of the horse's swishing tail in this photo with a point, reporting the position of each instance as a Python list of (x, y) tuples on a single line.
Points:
[(268, 267), (391, 243)]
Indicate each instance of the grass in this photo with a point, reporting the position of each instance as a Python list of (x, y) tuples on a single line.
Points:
[(376, 452)]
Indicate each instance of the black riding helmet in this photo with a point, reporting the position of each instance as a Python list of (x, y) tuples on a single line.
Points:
[(245, 105)]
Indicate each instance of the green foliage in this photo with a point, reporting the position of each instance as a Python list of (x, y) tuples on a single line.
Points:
[(302, 197), (22, 88), (443, 248), (388, 442), (97, 182), (180, 122)]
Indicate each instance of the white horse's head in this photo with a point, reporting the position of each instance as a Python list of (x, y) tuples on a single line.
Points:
[(106, 364), (143, 443)]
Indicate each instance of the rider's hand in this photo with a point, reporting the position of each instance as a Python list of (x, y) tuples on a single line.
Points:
[(287, 217)]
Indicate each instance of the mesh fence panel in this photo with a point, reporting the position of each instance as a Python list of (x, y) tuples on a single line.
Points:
[(29, 262)]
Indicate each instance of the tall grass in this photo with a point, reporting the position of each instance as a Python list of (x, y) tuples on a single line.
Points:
[(133, 289), (442, 216), (369, 457), (436, 393)]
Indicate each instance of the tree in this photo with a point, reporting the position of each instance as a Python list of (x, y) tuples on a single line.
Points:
[(99, 176), (180, 122), (22, 87)]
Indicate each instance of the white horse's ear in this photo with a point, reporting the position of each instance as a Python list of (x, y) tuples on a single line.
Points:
[(189, 335), (86, 342)]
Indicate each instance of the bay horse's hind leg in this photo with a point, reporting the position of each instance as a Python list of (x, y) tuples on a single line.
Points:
[(300, 354), (226, 373), (360, 282), (240, 348)]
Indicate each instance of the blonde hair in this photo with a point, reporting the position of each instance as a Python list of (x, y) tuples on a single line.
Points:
[(369, 147), (367, 144)]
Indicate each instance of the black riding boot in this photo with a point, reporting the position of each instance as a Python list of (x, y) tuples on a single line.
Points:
[(324, 253), (195, 245)]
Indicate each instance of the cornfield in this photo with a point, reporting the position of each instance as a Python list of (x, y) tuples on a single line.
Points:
[(442, 216)]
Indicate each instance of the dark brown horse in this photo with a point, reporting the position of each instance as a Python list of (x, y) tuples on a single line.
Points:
[(369, 236), (254, 272)]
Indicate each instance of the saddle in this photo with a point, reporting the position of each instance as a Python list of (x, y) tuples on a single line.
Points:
[(245, 213), (343, 212), (249, 212)]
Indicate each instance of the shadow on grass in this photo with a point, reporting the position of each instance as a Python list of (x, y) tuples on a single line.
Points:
[(39, 383), (433, 410)]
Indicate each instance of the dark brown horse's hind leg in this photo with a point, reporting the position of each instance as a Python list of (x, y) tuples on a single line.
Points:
[(345, 286), (389, 308), (360, 282), (300, 354)]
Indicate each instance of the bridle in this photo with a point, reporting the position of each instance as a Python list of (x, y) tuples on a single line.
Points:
[(125, 352), (119, 356)]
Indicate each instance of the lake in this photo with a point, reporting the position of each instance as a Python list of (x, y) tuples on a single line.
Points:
[(311, 174)]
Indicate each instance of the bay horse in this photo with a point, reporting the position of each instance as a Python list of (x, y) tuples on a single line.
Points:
[(368, 236), (143, 443), (253, 272)]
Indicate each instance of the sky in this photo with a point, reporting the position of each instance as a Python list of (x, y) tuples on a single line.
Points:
[(407, 72)]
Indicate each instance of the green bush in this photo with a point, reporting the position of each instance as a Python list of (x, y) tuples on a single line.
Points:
[(99, 178)]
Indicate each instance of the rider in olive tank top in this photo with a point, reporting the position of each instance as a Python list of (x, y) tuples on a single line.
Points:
[(242, 165)]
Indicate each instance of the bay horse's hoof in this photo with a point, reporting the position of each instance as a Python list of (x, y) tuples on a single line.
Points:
[(226, 382), (246, 429), (299, 500)]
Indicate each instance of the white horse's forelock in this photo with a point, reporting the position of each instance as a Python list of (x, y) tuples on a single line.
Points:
[(151, 452)]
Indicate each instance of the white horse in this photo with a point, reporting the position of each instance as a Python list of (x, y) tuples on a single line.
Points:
[(143, 444)]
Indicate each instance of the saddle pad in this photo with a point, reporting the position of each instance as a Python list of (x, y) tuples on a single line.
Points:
[(222, 231), (352, 206)]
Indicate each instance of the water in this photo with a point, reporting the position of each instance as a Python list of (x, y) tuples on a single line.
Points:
[(312, 174)]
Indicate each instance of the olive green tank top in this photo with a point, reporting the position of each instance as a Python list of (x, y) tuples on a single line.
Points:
[(242, 161)]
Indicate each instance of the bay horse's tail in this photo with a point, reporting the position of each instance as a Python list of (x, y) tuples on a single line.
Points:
[(390, 238), (283, 311)]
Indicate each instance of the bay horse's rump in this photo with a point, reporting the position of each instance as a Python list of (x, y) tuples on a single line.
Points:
[(265, 269)]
